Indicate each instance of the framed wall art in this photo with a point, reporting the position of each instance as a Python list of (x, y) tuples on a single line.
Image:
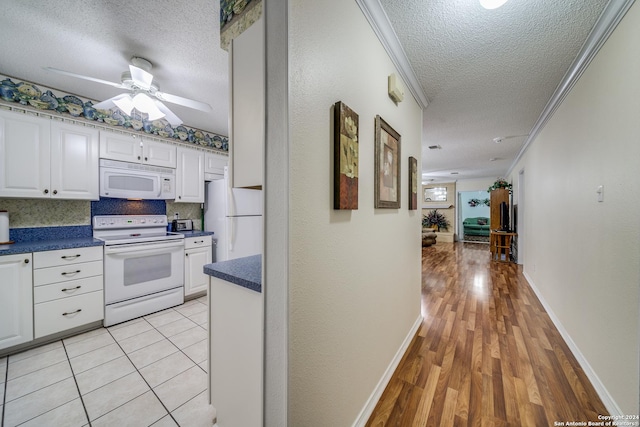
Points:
[(387, 166), (345, 151), (413, 183)]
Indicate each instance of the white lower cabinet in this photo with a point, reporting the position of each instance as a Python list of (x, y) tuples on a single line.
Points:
[(16, 300), (68, 287), (197, 253)]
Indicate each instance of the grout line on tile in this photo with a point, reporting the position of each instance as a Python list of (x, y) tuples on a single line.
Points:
[(73, 374)]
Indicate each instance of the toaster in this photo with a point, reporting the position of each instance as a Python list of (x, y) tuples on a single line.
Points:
[(182, 225)]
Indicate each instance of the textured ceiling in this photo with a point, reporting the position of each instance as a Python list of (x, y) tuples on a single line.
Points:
[(486, 73), (98, 39)]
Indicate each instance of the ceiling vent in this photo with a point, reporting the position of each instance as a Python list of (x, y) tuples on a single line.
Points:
[(435, 147)]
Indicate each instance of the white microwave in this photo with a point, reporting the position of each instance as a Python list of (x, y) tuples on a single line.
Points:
[(124, 180)]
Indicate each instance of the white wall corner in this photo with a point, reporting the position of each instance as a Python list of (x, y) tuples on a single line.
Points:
[(379, 21), (371, 403)]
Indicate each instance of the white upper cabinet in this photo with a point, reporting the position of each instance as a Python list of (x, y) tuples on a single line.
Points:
[(74, 162), (247, 123), (44, 158), (214, 164), (132, 148), (190, 176)]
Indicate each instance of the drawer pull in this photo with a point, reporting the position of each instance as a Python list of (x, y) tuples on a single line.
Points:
[(70, 272), (73, 312), (199, 241), (71, 289), (70, 256)]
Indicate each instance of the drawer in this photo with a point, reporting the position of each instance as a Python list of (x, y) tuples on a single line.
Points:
[(63, 273), (67, 289), (66, 256), (66, 313), (197, 242)]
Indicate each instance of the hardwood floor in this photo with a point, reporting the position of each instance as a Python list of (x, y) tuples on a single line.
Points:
[(486, 354)]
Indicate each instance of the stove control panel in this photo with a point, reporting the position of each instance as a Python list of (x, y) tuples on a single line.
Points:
[(102, 222)]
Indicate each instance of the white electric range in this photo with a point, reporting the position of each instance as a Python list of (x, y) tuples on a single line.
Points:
[(143, 265)]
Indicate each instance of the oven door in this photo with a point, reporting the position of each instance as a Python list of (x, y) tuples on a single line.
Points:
[(137, 269)]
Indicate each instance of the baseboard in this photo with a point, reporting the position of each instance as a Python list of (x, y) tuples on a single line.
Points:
[(368, 408), (602, 391)]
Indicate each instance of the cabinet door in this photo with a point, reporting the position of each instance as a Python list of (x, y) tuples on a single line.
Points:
[(158, 154), (24, 155), (215, 163), (247, 65), (16, 300), (74, 162), (126, 148), (194, 278), (190, 176)]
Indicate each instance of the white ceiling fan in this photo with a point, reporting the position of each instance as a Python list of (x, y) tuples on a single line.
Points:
[(139, 81)]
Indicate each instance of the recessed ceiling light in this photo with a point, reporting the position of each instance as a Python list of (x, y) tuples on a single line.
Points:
[(492, 4)]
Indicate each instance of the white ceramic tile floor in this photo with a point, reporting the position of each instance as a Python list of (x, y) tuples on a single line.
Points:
[(148, 371)]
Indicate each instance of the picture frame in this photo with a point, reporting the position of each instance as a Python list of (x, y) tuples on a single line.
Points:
[(346, 152), (435, 194), (413, 183), (387, 165)]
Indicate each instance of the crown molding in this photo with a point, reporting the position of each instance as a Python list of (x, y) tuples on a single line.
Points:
[(381, 26), (607, 22)]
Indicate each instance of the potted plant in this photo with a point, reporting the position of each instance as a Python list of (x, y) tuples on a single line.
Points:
[(500, 183), (436, 220)]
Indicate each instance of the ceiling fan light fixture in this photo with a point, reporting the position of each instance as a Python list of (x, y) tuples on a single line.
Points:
[(492, 4), (144, 104), (124, 103)]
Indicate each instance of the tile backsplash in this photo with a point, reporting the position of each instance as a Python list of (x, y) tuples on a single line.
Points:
[(25, 213), (45, 213)]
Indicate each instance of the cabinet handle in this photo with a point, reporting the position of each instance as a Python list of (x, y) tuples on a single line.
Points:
[(46, 191), (26, 261), (199, 241), (55, 192), (71, 289), (179, 197), (145, 159), (186, 254), (70, 256), (73, 312), (70, 272), (138, 157)]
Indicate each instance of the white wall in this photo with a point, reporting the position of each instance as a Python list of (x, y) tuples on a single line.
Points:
[(583, 256), (354, 276)]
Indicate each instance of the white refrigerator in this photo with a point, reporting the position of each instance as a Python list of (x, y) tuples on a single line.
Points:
[(235, 217)]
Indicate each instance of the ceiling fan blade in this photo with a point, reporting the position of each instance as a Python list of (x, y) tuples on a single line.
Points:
[(186, 102), (141, 77), (168, 114), (110, 103), (80, 76)]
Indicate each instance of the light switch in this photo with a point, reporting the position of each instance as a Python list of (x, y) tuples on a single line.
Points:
[(600, 192)]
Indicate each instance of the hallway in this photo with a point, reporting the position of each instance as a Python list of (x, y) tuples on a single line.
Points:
[(486, 354)]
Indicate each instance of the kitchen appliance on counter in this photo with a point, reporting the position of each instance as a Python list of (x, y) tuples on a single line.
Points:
[(124, 180), (143, 265), (235, 216), (182, 225)]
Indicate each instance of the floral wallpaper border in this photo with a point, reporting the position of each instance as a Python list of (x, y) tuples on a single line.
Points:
[(42, 98), (235, 17)]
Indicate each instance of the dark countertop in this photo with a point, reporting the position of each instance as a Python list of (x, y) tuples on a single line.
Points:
[(48, 245), (245, 272), (195, 233)]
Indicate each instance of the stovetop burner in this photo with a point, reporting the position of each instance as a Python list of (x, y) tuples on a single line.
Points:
[(121, 229)]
